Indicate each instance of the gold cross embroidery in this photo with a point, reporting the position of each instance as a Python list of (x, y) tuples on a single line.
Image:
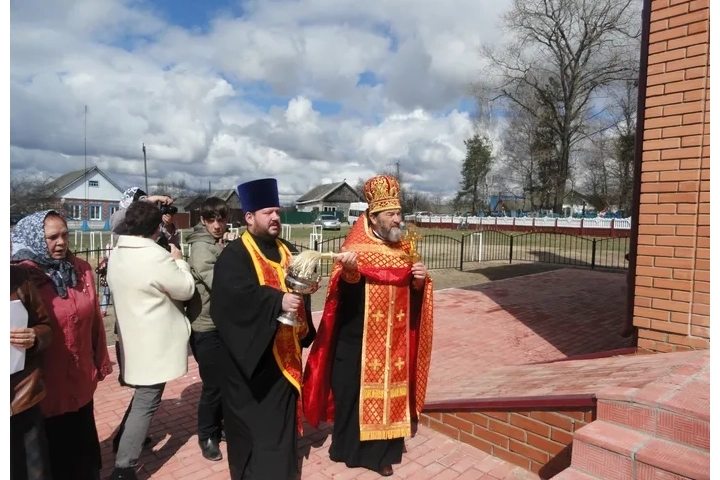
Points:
[(375, 364), (400, 316), (378, 316), (400, 363)]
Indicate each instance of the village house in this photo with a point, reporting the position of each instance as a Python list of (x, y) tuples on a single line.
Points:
[(329, 197), (188, 207), (88, 197)]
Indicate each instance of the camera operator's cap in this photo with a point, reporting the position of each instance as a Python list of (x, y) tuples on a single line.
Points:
[(258, 194), (382, 193)]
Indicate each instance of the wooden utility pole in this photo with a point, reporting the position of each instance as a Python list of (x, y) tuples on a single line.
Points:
[(147, 192), (85, 211)]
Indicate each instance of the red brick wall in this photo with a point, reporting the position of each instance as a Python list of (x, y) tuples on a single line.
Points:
[(537, 440), (672, 295)]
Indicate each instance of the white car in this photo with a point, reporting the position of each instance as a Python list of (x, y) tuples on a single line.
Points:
[(328, 222)]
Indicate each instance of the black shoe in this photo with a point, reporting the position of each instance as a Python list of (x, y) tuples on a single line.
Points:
[(210, 450), (123, 474), (386, 471), (116, 442)]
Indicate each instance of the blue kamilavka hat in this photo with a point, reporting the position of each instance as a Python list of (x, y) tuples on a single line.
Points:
[(258, 194)]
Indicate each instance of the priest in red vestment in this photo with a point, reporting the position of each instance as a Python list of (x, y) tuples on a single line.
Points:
[(368, 367)]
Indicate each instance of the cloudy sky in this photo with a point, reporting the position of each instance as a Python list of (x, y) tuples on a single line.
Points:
[(307, 91)]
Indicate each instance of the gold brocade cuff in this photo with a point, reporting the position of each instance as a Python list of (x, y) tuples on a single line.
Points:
[(350, 277)]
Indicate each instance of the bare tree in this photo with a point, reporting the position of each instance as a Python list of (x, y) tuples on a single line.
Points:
[(524, 150), (567, 53), (360, 185), (437, 201), (28, 195), (175, 189), (609, 159), (414, 201), (624, 143), (597, 181)]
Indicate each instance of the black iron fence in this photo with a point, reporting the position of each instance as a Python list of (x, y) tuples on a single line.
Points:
[(545, 247), (460, 250), (457, 249)]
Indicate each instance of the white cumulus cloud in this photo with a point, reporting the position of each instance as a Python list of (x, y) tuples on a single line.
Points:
[(274, 92)]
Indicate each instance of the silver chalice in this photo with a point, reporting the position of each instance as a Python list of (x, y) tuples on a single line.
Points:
[(298, 285)]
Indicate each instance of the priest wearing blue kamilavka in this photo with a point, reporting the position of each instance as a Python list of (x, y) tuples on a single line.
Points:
[(261, 358)]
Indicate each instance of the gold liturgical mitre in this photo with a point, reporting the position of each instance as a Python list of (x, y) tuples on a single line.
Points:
[(382, 193)]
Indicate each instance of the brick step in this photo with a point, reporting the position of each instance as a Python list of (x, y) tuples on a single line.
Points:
[(574, 474), (683, 426), (612, 451)]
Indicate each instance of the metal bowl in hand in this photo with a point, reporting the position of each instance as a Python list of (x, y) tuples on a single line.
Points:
[(298, 286), (302, 286)]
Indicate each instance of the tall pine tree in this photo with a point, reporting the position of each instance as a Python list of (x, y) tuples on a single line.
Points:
[(476, 166)]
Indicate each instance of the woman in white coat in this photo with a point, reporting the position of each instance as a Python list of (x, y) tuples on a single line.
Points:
[(149, 285)]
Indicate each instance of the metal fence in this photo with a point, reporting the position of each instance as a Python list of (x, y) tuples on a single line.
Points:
[(454, 251), (545, 247), (461, 250)]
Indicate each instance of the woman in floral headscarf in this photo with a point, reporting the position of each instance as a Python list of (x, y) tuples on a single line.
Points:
[(77, 357)]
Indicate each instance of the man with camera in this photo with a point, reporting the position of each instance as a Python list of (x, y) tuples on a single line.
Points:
[(149, 284)]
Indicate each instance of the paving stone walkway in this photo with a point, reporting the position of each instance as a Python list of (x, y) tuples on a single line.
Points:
[(541, 317), (176, 456)]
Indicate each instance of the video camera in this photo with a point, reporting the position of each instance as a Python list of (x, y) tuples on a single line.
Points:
[(165, 210), (168, 209)]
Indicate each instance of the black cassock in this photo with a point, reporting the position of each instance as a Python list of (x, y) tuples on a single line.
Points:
[(346, 446), (259, 404)]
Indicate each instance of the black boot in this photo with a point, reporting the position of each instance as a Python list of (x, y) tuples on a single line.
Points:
[(116, 441), (210, 449), (123, 474)]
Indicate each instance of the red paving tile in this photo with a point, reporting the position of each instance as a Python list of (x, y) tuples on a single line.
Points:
[(564, 378), (535, 318), (176, 455)]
